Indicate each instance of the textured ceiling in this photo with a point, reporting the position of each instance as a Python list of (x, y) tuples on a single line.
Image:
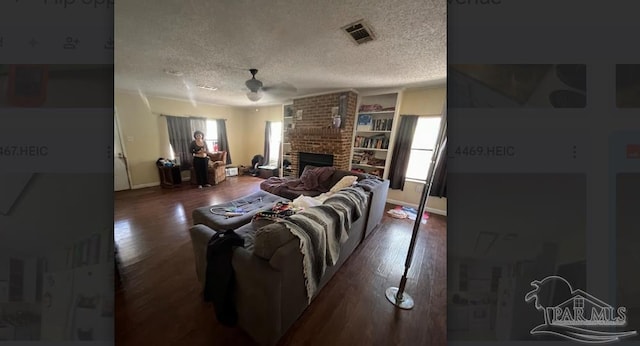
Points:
[(297, 42)]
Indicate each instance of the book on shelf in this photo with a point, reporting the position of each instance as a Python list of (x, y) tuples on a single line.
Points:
[(382, 124), (367, 158), (372, 142), (376, 162)]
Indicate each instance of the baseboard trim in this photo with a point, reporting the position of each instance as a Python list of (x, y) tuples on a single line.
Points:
[(431, 210), (142, 186)]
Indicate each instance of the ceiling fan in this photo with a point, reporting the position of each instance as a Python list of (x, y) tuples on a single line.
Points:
[(257, 89)]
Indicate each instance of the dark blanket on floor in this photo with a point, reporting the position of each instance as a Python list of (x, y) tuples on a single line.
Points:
[(220, 279)]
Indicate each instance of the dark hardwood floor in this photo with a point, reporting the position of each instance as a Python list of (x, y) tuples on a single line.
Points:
[(159, 300)]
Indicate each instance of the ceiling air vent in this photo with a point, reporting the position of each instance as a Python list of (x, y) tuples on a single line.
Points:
[(360, 32)]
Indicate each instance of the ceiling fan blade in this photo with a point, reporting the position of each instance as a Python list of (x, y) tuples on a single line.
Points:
[(280, 88)]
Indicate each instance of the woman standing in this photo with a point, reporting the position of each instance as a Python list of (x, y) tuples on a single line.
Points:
[(200, 159)]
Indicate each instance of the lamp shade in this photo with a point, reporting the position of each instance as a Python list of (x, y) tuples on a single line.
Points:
[(254, 95)]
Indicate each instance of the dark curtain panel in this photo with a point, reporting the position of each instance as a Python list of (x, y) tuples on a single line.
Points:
[(279, 161), (402, 151), (267, 142), (223, 142), (180, 137), (278, 148), (199, 124), (439, 183)]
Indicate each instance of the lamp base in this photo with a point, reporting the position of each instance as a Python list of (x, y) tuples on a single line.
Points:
[(406, 302)]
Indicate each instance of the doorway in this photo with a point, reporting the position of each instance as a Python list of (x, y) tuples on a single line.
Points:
[(120, 170)]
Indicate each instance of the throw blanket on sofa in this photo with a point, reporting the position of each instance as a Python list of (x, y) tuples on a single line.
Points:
[(350, 202), (275, 185), (322, 230), (312, 179)]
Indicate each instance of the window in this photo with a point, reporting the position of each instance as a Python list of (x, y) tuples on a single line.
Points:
[(424, 142), (211, 135), (274, 143), (578, 303)]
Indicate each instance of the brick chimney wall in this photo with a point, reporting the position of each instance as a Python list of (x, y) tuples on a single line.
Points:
[(314, 134)]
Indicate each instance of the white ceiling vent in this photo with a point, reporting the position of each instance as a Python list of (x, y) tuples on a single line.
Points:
[(360, 32)]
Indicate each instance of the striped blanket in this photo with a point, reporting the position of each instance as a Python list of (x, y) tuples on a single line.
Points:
[(322, 230)]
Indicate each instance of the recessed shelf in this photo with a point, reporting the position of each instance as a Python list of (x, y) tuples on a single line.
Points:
[(374, 132), (369, 149), (378, 112), (365, 165)]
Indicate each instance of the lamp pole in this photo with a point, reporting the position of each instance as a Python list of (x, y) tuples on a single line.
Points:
[(396, 295)]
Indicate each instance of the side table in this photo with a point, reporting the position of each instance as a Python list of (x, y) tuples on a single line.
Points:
[(170, 176)]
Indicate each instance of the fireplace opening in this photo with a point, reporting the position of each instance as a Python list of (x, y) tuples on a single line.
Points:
[(317, 160)]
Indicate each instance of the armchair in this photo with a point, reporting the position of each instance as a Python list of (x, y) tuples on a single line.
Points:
[(215, 173)]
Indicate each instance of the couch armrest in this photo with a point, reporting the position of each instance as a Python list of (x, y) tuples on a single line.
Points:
[(379, 190), (287, 260), (200, 236), (217, 164), (259, 297)]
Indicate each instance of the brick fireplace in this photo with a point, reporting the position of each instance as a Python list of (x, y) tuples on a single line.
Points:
[(313, 133), (317, 160)]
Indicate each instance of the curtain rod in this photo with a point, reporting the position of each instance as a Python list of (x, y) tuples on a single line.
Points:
[(185, 116)]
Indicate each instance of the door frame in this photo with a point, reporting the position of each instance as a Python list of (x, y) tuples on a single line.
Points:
[(124, 151)]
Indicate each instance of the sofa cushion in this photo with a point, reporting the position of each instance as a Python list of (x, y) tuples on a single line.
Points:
[(269, 238), (341, 173), (303, 201), (346, 181), (258, 221), (370, 183), (247, 232), (279, 211)]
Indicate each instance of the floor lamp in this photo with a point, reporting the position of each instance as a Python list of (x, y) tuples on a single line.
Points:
[(396, 295)]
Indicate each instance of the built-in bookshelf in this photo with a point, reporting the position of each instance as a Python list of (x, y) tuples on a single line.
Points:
[(287, 131), (373, 138)]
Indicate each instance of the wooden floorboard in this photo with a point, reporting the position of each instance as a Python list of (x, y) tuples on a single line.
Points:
[(159, 300)]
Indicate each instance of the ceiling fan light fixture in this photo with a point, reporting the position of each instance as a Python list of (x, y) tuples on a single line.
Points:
[(174, 73), (207, 87), (254, 95)]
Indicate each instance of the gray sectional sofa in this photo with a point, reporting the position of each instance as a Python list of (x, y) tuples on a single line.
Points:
[(270, 291)]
